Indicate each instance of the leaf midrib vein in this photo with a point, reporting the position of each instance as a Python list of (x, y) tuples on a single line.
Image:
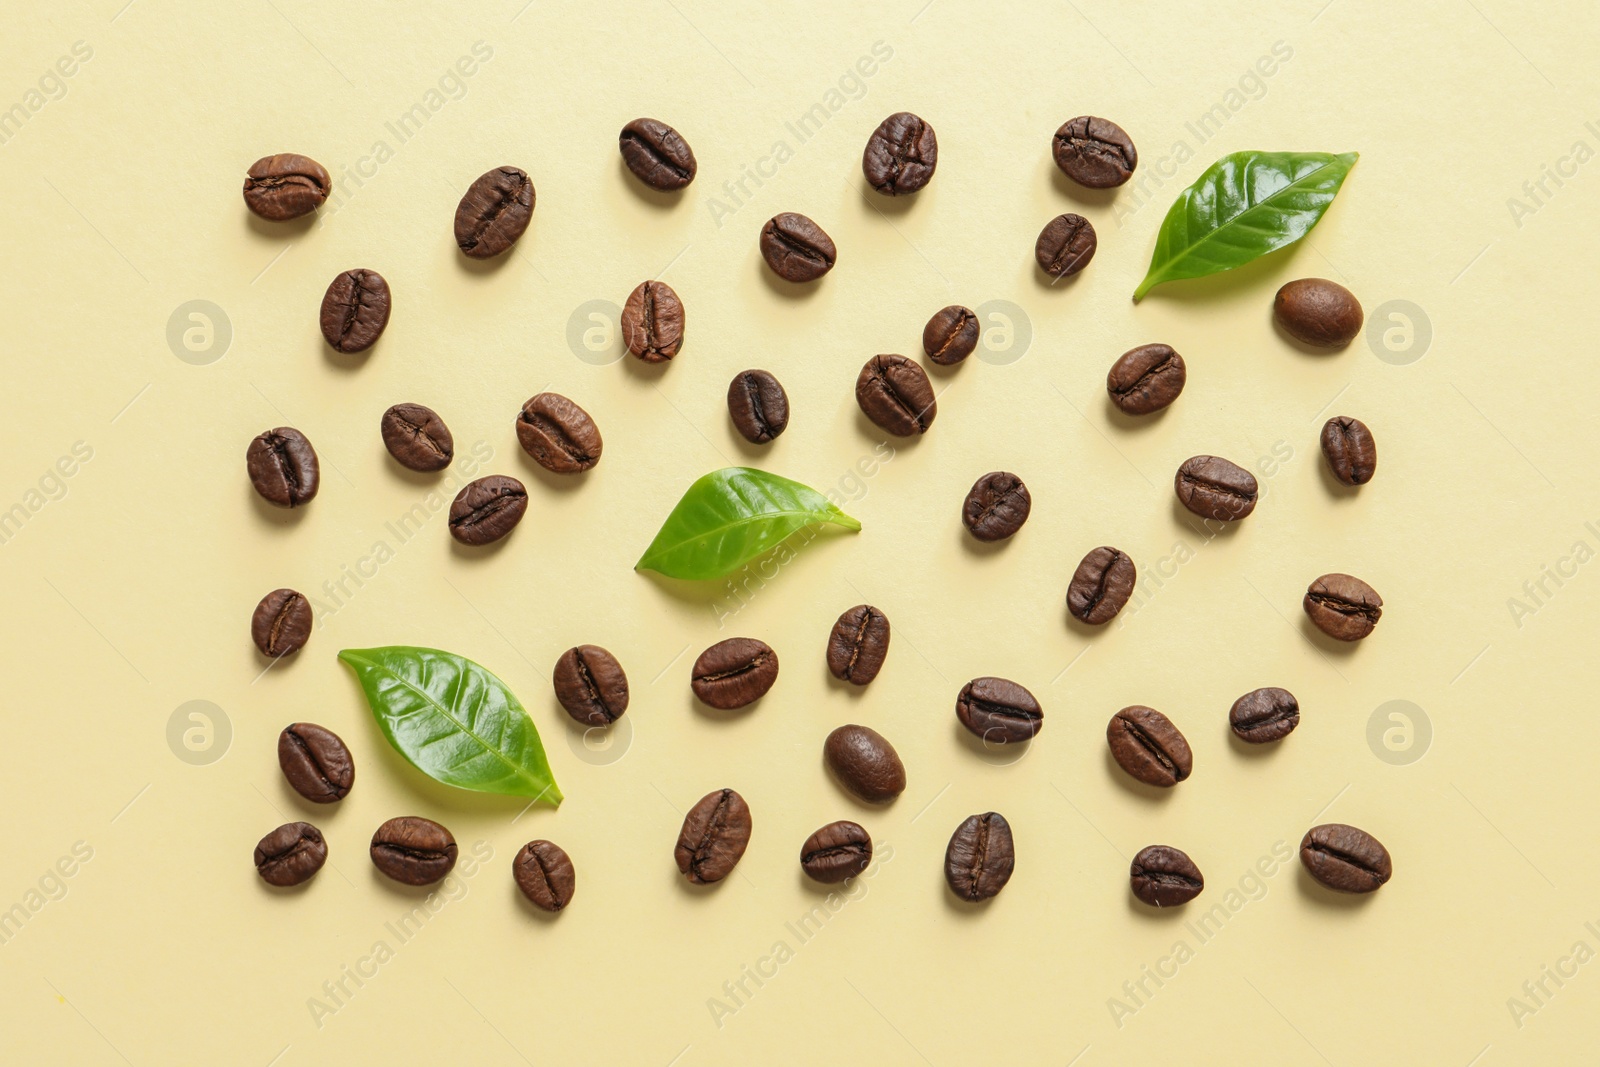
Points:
[(1189, 249), (517, 772)]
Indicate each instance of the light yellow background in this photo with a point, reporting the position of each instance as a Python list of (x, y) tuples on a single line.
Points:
[(129, 586)]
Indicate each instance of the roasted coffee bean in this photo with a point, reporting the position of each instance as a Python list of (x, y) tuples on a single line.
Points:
[(901, 155), (1065, 245), (1264, 715), (316, 762), (865, 763), (1148, 746), (758, 406), (487, 509), (858, 644), (1343, 607), (735, 672), (980, 857), (896, 395), (951, 335), (1213, 488), (796, 248), (494, 212), (417, 437), (413, 850), (1164, 877), (1318, 312), (715, 834), (1351, 452), (355, 309), (281, 623), (657, 154), (291, 854), (652, 322), (1101, 585), (1344, 858), (543, 871), (1146, 379), (999, 711), (837, 851), (996, 506), (558, 434), (285, 186), (1094, 152), (283, 467), (591, 685)]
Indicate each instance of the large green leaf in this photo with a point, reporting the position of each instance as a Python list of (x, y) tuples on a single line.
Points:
[(730, 517), (453, 720), (1245, 205)]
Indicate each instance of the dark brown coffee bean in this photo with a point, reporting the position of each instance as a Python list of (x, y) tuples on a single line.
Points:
[(1164, 877), (896, 395), (494, 212), (285, 186), (291, 854), (796, 248), (1065, 245), (835, 852), (996, 506), (714, 836), (858, 644), (901, 155), (758, 406), (735, 672), (1318, 312), (1213, 488), (1264, 715), (652, 322), (355, 309), (1345, 859), (1101, 585), (865, 763), (1094, 152), (999, 711), (1343, 607), (316, 762), (281, 623), (1148, 746), (980, 857), (657, 154), (591, 685), (558, 434), (283, 467), (543, 871), (413, 850), (1351, 452), (487, 509), (951, 335), (417, 437), (1146, 379)]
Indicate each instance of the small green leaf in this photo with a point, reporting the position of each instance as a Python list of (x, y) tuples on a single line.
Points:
[(730, 517), (453, 720), (1245, 205)]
